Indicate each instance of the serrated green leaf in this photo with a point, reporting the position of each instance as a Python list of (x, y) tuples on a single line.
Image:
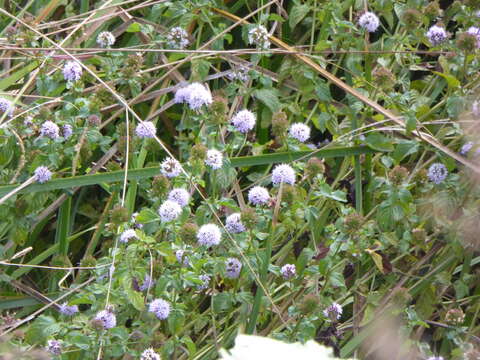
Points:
[(379, 142), (269, 97), (298, 12)]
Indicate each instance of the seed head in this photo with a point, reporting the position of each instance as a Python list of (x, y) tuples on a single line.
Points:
[(199, 152), (188, 232), (160, 185), (259, 37), (314, 167)]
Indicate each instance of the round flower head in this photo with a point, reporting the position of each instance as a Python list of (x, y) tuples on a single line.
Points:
[(68, 310), (258, 195), (240, 73), (169, 211), (181, 95), (209, 235), (182, 258), (436, 35), (475, 31), (54, 347), (72, 71), (42, 174), (234, 224), (299, 131), (170, 167), (283, 173), (288, 271), (206, 280), (149, 354), (177, 38), (244, 121), (195, 95), (466, 148), (437, 172), (369, 21), (146, 129), (233, 267), (258, 36), (333, 312), (107, 318), (160, 308), (180, 196), (67, 131), (50, 129), (105, 39), (6, 106), (148, 282), (127, 235), (214, 159)]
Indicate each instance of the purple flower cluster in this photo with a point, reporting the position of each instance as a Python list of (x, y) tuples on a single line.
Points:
[(466, 148), (106, 318), (244, 121), (127, 235), (177, 38), (169, 211), (54, 347), (333, 312), (283, 173), (233, 267), (160, 308), (209, 235), (182, 258), (299, 131), (170, 167), (259, 36), (258, 195), (437, 173), (240, 73), (146, 129), (42, 174), (369, 21), (234, 224), (475, 31), (50, 129), (72, 71), (68, 310), (149, 354), (288, 271), (436, 35), (105, 39), (6, 106), (205, 281), (214, 159), (195, 95), (148, 282), (180, 196), (67, 131)]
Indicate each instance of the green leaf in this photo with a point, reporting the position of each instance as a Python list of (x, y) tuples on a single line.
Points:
[(133, 28), (298, 12), (269, 97), (221, 302), (147, 215), (326, 190), (323, 91), (17, 75), (452, 81), (379, 142)]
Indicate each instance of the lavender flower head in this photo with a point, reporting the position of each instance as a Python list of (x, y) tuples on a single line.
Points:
[(258, 195), (177, 38), (234, 224), (437, 173), (127, 235), (466, 148), (160, 308), (259, 36), (72, 71), (209, 235), (180, 196), (148, 282), (475, 31), (214, 159), (67, 131), (195, 95), (369, 21), (68, 310), (333, 312), (169, 211), (6, 106), (436, 35), (149, 354), (182, 258), (54, 347), (50, 129), (105, 39), (170, 167), (288, 271), (106, 318), (146, 129), (42, 174), (206, 280), (233, 268), (240, 73), (283, 173), (299, 131), (244, 121)]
